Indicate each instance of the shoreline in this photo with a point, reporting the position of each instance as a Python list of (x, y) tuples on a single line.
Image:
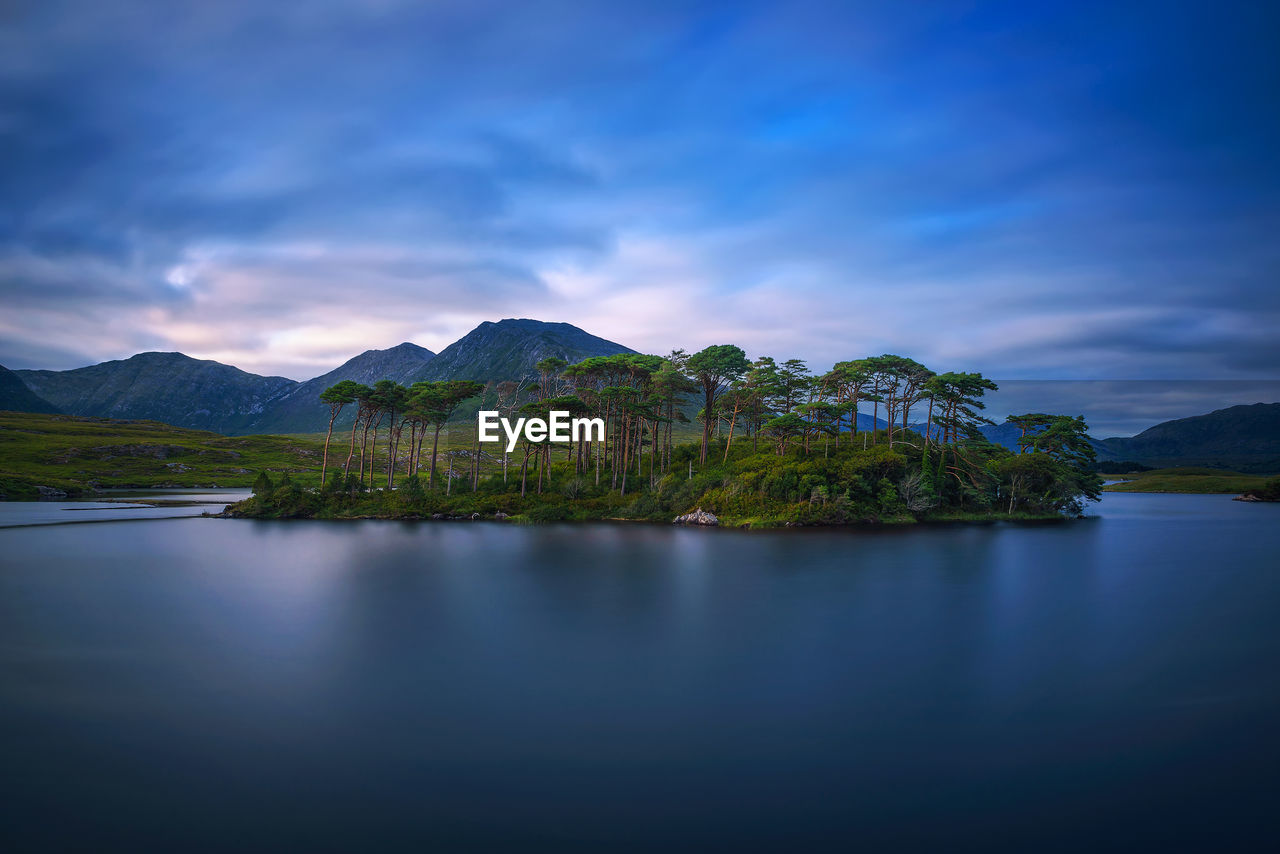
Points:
[(728, 524)]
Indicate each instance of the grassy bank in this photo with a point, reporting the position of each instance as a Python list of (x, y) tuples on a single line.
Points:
[(75, 454), (1188, 480)]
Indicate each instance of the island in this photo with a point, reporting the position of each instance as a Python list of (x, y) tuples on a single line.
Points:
[(707, 438)]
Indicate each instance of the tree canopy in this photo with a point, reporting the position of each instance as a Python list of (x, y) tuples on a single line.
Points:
[(919, 449)]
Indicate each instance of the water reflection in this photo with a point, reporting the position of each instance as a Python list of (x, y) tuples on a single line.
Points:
[(476, 685)]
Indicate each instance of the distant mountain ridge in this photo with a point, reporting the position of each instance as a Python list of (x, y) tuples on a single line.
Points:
[(299, 409), (169, 387), (1244, 438), (206, 395)]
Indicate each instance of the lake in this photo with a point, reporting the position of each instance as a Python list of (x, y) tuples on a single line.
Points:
[(207, 684)]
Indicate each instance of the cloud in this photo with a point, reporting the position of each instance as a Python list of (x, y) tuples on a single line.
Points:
[(1034, 192)]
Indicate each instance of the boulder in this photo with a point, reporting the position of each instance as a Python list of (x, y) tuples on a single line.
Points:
[(697, 517), (48, 493)]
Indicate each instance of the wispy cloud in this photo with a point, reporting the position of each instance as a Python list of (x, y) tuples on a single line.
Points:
[(1079, 190)]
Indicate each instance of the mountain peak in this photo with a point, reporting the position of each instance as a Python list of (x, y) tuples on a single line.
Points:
[(402, 358), (509, 348), (404, 348)]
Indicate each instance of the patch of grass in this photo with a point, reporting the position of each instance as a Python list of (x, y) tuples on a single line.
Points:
[(74, 454), (1188, 480)]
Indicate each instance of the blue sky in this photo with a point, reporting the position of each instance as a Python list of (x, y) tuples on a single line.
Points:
[(1032, 190)]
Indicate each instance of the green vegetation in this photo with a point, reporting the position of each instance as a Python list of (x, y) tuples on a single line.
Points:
[(799, 457), (1269, 491), (74, 454), (1189, 480), (1121, 467)]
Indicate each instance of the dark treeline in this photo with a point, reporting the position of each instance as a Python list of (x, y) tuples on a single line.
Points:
[(776, 443)]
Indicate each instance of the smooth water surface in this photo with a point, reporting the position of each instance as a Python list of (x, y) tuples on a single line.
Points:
[(202, 684), (119, 506)]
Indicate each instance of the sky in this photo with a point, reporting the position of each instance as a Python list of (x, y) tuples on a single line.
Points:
[(1049, 191)]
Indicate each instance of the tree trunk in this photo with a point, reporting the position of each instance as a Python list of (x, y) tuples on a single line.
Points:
[(653, 454), (391, 457), (435, 448), (324, 465), (351, 452), (732, 422), (626, 448)]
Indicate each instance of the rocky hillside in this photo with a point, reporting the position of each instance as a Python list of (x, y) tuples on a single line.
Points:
[(510, 348), (299, 410), (167, 387), (16, 397), (1242, 438)]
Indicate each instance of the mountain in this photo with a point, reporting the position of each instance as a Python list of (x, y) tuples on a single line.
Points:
[(299, 409), (168, 387), (510, 348), (1242, 438), (16, 397), (207, 395)]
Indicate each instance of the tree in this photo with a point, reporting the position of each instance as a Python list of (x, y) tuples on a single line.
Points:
[(439, 400), (670, 385), (849, 380), (336, 396), (1030, 424), (793, 380), (263, 487), (549, 371), (392, 400), (714, 368), (820, 418), (362, 394), (510, 397), (1054, 469), (899, 382), (784, 428), (759, 389)]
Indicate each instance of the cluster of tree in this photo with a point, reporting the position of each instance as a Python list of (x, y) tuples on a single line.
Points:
[(418, 407), (930, 419)]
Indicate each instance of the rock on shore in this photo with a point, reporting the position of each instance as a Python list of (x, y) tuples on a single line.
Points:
[(697, 517)]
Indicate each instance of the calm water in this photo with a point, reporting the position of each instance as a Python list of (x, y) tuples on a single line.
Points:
[(120, 505), (212, 684)]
